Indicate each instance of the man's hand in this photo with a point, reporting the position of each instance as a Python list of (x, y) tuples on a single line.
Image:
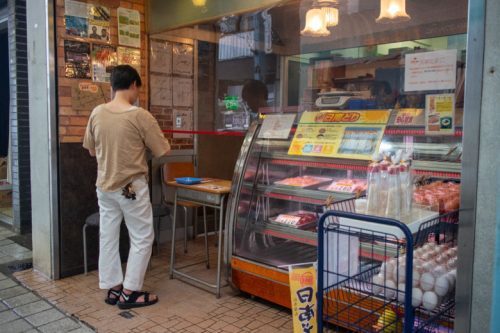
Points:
[(92, 152)]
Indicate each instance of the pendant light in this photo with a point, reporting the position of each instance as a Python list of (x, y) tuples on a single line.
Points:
[(199, 3), (315, 23), (330, 11), (393, 11)]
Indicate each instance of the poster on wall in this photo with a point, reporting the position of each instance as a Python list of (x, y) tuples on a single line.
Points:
[(77, 59), (85, 96), (440, 114), (182, 55), (75, 18), (160, 57), (160, 90), (104, 59), (129, 56), (129, 27), (182, 92), (99, 21), (435, 70), (183, 121)]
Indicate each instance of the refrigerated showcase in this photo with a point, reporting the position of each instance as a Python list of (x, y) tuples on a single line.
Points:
[(278, 198)]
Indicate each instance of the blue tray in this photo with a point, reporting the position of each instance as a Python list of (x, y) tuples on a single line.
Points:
[(188, 180)]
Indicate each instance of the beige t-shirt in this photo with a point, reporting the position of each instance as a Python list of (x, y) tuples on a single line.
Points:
[(120, 139)]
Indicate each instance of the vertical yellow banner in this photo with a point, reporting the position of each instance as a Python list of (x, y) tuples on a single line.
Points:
[(303, 293)]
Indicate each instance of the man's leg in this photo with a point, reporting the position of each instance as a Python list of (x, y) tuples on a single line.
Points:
[(139, 219), (111, 216)]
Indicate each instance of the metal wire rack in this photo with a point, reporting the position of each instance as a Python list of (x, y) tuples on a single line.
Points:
[(357, 253)]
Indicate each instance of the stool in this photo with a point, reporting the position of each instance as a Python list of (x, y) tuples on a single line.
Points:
[(90, 221)]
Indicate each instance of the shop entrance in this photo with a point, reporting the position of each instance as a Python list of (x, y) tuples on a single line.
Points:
[(6, 214)]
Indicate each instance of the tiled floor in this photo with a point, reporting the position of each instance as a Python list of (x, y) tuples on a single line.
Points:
[(182, 307), (20, 309)]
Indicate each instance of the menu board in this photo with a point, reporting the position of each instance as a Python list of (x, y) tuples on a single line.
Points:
[(340, 134), (277, 126), (440, 114)]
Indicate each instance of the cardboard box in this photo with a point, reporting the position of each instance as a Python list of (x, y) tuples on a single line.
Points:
[(3, 168), (5, 198)]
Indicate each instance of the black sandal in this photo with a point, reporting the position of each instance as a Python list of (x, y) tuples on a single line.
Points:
[(113, 300), (131, 300)]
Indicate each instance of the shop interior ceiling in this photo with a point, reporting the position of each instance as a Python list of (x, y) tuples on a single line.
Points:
[(357, 26)]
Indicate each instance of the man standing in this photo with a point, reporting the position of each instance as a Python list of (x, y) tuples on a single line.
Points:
[(118, 134)]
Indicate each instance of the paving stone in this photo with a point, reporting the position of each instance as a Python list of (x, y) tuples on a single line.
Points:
[(32, 308), (17, 301), (44, 317), (32, 331), (7, 283), (60, 326), (23, 255), (7, 316), (5, 241), (11, 292), (83, 329), (3, 307), (4, 259), (13, 249), (17, 326), (3, 276)]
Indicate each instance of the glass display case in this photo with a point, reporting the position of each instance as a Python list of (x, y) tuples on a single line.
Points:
[(278, 198)]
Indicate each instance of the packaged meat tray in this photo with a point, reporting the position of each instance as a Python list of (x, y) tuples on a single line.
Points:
[(445, 195), (304, 181), (300, 219), (346, 186)]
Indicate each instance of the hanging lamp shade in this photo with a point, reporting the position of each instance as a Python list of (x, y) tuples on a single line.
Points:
[(331, 16), (393, 11), (315, 24), (199, 3)]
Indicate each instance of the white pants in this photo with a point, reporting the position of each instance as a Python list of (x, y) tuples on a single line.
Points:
[(138, 214)]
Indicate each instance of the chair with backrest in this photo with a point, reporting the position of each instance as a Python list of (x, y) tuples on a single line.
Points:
[(170, 171)]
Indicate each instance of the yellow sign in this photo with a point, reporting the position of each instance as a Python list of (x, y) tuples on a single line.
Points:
[(440, 114), (340, 134), (303, 293)]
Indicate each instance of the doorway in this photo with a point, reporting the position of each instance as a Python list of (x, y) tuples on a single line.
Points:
[(6, 212)]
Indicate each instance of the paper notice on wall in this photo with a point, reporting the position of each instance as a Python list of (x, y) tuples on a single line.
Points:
[(129, 56), (160, 57), (182, 59), (85, 96), (129, 27), (160, 90), (440, 114), (104, 59), (183, 121), (77, 59), (75, 8), (182, 92), (277, 126), (435, 70)]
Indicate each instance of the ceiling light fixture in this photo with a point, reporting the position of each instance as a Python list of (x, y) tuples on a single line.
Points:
[(315, 23), (330, 11), (199, 3), (393, 11)]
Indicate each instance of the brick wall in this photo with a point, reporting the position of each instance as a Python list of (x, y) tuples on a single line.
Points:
[(72, 123), (19, 115)]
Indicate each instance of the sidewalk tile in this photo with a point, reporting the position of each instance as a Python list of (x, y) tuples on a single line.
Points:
[(60, 326), (16, 301), (11, 292), (45, 317), (7, 316), (16, 326), (32, 308), (7, 283)]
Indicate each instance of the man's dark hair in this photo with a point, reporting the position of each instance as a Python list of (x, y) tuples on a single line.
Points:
[(123, 76), (254, 88)]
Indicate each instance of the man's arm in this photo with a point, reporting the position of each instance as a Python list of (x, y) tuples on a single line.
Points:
[(88, 139), (91, 152)]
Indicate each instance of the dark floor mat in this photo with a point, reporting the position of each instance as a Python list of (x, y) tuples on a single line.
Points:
[(21, 266), (23, 240)]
